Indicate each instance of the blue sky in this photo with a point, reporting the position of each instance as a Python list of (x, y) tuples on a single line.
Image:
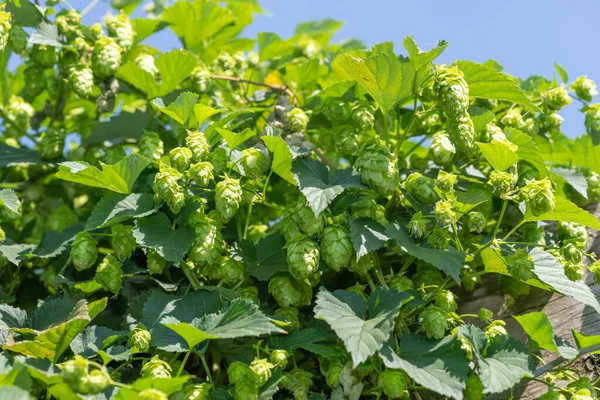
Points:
[(525, 36)]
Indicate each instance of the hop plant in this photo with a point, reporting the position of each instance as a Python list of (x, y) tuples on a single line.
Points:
[(584, 88), (572, 231), (208, 246), (574, 271), (290, 292), (439, 238), (502, 182), (151, 146), (419, 225), (180, 158), (35, 81), (402, 283), (337, 248), (228, 198), (337, 111), (434, 322), (298, 382), (2, 235), (474, 389), (363, 116), (444, 214), (74, 370), (262, 370), (442, 151), (231, 271), (201, 173), (299, 219), (572, 252), (109, 274), (520, 266), (83, 251), (119, 28), (461, 132), (81, 79), (69, 23), (254, 162), (302, 258), (290, 315), (122, 241), (446, 300), (451, 90), (279, 358), (106, 57), (200, 78), (361, 266), (146, 62), (477, 221), (556, 98), (19, 113), (156, 368), (196, 142), (238, 371), (393, 383), (152, 394), (52, 143), (377, 168), (43, 55), (155, 262), (139, 337), (297, 120), (219, 159), (94, 382), (4, 29), (17, 39), (539, 196), (592, 118), (421, 188)]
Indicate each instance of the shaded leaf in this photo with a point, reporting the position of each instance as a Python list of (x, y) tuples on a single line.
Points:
[(271, 46), (11, 156), (119, 127), (116, 208), (573, 178), (9, 199), (54, 243), (234, 139), (539, 331), (366, 235), (157, 233), (266, 258), (181, 110), (282, 157), (564, 210)]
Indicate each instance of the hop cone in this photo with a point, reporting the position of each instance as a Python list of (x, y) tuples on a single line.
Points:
[(290, 292), (146, 62), (4, 29), (502, 182), (228, 198), (363, 116), (434, 322), (209, 243), (556, 98), (297, 120), (421, 187), (122, 241), (219, 159), (52, 143), (290, 315), (419, 226), (17, 39), (83, 251), (95, 382), (298, 382), (106, 57), (474, 389), (337, 248), (477, 222), (200, 79), (109, 274), (279, 358), (180, 158), (151, 146), (156, 368), (156, 264), (35, 81), (393, 383), (69, 23), (445, 181), (140, 338), (262, 370), (337, 111), (300, 219), (377, 168), (302, 258), (539, 196), (572, 231), (201, 173), (254, 163), (231, 271), (196, 142), (462, 133), (451, 90), (119, 28), (439, 238), (152, 394), (442, 150), (45, 56), (19, 113), (81, 79)]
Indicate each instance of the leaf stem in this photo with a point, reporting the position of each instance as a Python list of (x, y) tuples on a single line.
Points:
[(277, 88), (378, 271), (247, 223), (555, 363), (182, 366), (370, 282), (206, 369)]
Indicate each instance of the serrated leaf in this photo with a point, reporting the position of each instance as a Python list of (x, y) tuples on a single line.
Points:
[(93, 339), (10, 317), (11, 156), (144, 28), (192, 335), (487, 83), (564, 77), (125, 125), (420, 58), (24, 13), (551, 272), (583, 341), (320, 30), (181, 110), (271, 386), (9, 199), (271, 46), (439, 366), (46, 34), (282, 157), (363, 330), (116, 208), (304, 75), (383, 76), (341, 203), (573, 178), (499, 154), (564, 210), (540, 334), (307, 339), (318, 185), (157, 233), (14, 393), (234, 139), (527, 151), (449, 261), (495, 262), (366, 235), (266, 258), (481, 117), (118, 178), (204, 112), (229, 121), (466, 201), (15, 252), (54, 243)]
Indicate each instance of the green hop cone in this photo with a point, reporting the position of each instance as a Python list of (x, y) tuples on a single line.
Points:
[(362, 266), (122, 241), (363, 116), (298, 382), (35, 81), (249, 293), (419, 226), (434, 322), (550, 395), (61, 218), (69, 23), (228, 198), (152, 394), (421, 188), (119, 28), (574, 271), (300, 219), (52, 143), (442, 151), (155, 262), (451, 90), (439, 238), (81, 79), (513, 118), (246, 389), (74, 370), (95, 382), (401, 283), (254, 163), (377, 168), (232, 271), (297, 120), (279, 358), (302, 258), (201, 173), (5, 28), (337, 248), (180, 158), (520, 266), (572, 231), (196, 142), (2, 235), (219, 159), (502, 182), (238, 371), (444, 215), (146, 62), (446, 300), (43, 55), (290, 292), (262, 370), (461, 132), (572, 252), (83, 251), (106, 57), (477, 222), (393, 383), (151, 146), (369, 208), (19, 112), (552, 122), (290, 315), (556, 98), (17, 39), (114, 154), (139, 338), (332, 370), (156, 368), (200, 78), (592, 117), (109, 274), (539, 196), (474, 389), (445, 181), (337, 111), (198, 392), (208, 246)]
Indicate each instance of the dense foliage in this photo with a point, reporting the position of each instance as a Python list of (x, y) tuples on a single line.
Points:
[(270, 218)]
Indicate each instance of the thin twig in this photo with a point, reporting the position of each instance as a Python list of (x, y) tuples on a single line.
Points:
[(17, 128), (277, 88), (323, 158)]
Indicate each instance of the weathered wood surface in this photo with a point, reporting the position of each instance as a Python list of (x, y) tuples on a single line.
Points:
[(565, 313)]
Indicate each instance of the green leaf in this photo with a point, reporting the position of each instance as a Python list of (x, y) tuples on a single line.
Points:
[(157, 233), (583, 341), (564, 210), (573, 178), (95, 338), (580, 152), (271, 46), (527, 151), (15, 252), (501, 364), (9, 199), (123, 126), (439, 366), (204, 112), (10, 317), (24, 13), (118, 178), (266, 258), (234, 139), (551, 272), (11, 156), (318, 185), (144, 28), (307, 339), (420, 58), (487, 83), (54, 243), (116, 208), (268, 390), (192, 335), (474, 196), (450, 261), (366, 235), (181, 110), (540, 334), (46, 34), (321, 30), (494, 262), (500, 155), (564, 77), (14, 393), (128, 6), (481, 117), (363, 330), (304, 75), (382, 76), (282, 157)]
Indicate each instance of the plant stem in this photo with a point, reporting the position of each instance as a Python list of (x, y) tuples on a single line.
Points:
[(182, 366), (386, 128), (370, 282), (190, 275), (264, 189), (277, 88), (378, 271), (17, 128), (323, 158), (513, 230), (247, 223), (555, 363), (206, 369)]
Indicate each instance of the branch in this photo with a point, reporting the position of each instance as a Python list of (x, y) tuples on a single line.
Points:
[(17, 128), (277, 88)]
